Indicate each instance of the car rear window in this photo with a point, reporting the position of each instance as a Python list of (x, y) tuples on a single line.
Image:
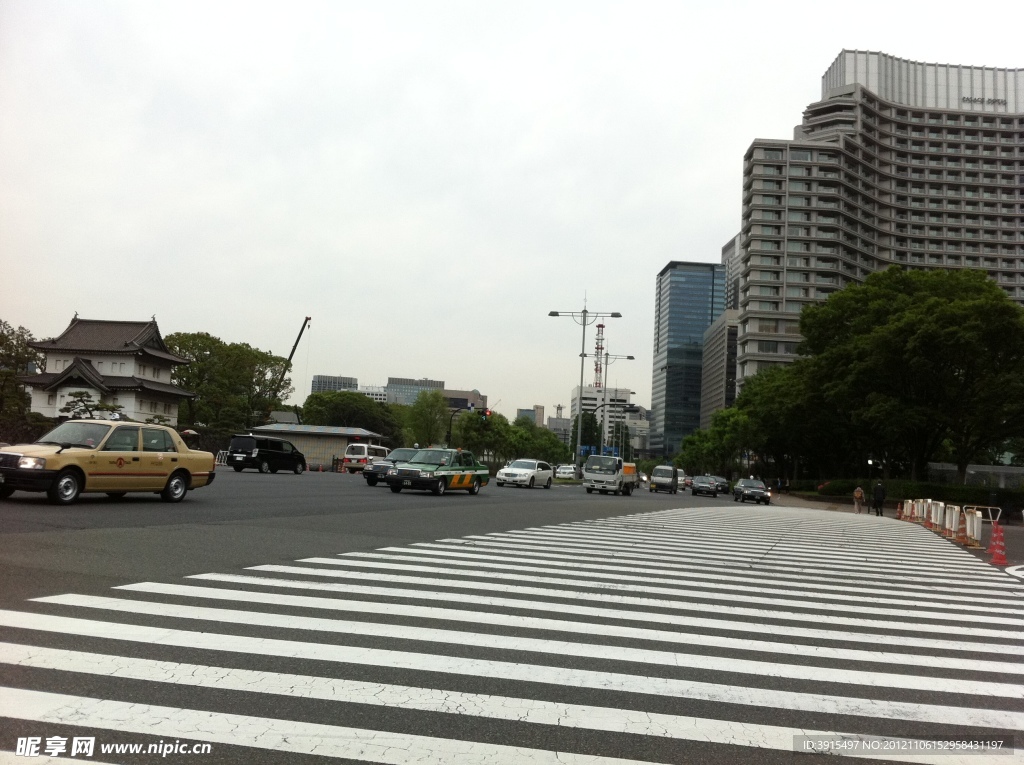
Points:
[(242, 444)]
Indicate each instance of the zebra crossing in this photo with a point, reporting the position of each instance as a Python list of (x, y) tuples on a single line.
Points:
[(677, 636)]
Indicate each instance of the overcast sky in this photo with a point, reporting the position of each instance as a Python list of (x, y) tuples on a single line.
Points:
[(426, 180)]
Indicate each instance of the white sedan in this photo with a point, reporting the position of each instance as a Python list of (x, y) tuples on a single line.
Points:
[(527, 473), (565, 471)]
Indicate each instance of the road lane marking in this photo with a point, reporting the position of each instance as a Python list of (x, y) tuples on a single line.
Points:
[(498, 670), (545, 646)]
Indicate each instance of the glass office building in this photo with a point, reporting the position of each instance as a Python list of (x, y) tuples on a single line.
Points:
[(690, 296)]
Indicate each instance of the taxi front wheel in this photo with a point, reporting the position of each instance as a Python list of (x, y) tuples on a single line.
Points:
[(439, 487), (66, 488), (475, 488)]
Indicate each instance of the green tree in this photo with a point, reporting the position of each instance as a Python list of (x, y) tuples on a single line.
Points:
[(352, 410), (235, 385), (204, 375), (919, 358), (16, 358), (428, 417), (591, 432), (81, 404)]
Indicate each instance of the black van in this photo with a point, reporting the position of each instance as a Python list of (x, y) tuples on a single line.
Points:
[(268, 455)]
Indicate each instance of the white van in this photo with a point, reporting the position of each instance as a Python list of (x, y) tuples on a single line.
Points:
[(358, 456)]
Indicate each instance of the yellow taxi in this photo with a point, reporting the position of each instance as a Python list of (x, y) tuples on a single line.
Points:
[(108, 456)]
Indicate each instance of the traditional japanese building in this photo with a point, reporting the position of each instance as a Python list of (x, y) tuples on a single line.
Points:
[(120, 363)]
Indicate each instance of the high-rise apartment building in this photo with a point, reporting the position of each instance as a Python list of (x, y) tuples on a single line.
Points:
[(688, 299), (900, 162)]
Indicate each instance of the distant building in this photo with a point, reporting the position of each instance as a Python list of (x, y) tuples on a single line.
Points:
[(527, 413), (376, 392), (404, 390), (324, 383), (464, 399), (123, 363), (561, 427), (718, 377), (606, 403), (688, 299)]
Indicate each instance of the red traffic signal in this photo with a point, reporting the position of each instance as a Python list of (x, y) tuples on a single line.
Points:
[(487, 412)]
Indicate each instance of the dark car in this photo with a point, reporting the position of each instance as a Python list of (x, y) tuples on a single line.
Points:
[(721, 484), (704, 484), (268, 455), (377, 471), (749, 488)]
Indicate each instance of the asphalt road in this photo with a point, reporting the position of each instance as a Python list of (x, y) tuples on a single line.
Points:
[(331, 619), (248, 518)]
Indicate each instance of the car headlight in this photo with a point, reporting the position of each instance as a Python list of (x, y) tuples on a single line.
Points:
[(426, 474), (392, 471), (32, 463)]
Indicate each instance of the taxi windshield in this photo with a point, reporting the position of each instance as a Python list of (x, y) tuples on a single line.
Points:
[(402, 455), (432, 456), (84, 434)]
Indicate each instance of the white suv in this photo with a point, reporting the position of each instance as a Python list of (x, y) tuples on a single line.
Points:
[(527, 473)]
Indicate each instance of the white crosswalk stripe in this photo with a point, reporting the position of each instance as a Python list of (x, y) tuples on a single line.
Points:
[(657, 635)]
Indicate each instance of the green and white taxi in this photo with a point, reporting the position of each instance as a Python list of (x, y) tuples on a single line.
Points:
[(439, 470)]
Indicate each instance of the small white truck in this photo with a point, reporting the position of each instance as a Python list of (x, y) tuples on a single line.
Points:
[(610, 475)]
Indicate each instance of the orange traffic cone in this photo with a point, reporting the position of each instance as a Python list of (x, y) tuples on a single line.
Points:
[(321, 467), (961, 529), (899, 511), (998, 546)]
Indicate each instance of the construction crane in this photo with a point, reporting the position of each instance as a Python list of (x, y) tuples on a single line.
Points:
[(287, 365)]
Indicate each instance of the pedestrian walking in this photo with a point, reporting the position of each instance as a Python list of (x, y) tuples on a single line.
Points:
[(878, 497), (858, 499)]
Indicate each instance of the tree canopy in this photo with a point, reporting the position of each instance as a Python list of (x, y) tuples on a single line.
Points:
[(353, 410), (235, 385), (906, 367)]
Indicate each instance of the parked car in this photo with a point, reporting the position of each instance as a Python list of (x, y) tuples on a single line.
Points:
[(704, 484), (750, 488), (377, 471), (358, 456), (665, 478), (268, 455), (565, 471), (528, 473), (113, 457), (439, 470)]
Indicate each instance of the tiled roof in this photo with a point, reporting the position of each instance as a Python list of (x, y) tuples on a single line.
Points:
[(94, 335), (86, 371), (314, 430)]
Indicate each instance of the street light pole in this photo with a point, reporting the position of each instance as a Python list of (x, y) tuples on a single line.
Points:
[(583, 318)]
